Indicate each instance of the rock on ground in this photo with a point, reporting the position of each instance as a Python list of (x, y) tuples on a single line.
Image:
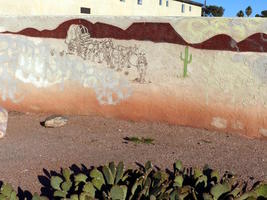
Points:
[(54, 121)]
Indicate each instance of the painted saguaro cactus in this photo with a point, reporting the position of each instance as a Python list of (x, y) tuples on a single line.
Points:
[(187, 60)]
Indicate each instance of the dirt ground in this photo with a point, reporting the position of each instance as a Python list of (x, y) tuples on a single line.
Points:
[(29, 148)]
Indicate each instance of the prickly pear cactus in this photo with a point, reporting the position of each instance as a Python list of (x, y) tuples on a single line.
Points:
[(112, 182), (97, 178), (8, 193)]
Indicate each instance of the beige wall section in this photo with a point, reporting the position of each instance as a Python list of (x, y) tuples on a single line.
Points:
[(98, 7)]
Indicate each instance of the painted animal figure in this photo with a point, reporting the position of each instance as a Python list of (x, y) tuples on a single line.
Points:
[(117, 57)]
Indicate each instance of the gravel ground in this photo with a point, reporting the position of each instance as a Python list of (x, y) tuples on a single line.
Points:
[(29, 149)]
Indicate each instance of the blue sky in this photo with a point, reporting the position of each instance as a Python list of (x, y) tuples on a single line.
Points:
[(233, 6)]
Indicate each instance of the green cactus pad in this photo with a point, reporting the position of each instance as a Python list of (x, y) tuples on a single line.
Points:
[(89, 188), (118, 192), (178, 181), (59, 193), (80, 178), (108, 175), (119, 174), (66, 186), (220, 189), (55, 182), (261, 190), (66, 174), (97, 178), (179, 165)]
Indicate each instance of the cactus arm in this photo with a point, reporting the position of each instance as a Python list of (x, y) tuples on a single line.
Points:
[(181, 56), (190, 59), (185, 61)]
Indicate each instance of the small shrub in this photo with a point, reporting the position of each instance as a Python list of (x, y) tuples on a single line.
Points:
[(137, 140)]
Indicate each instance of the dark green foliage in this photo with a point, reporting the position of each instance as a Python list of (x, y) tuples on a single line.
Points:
[(263, 14), (248, 11), (213, 11), (240, 14), (113, 182), (138, 140)]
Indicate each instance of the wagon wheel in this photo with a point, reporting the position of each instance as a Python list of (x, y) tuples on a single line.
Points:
[(83, 29)]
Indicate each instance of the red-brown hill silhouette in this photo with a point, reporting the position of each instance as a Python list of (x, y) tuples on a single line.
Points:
[(256, 42), (155, 32), (218, 42)]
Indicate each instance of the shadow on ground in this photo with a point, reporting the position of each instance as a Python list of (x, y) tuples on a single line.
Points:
[(133, 175)]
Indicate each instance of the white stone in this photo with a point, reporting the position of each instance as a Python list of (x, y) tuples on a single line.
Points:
[(55, 121)]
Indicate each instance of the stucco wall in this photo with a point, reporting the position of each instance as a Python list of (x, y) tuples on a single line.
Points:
[(139, 69), (98, 7)]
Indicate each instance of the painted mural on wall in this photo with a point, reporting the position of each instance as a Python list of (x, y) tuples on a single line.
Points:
[(119, 58), (218, 71), (40, 65), (156, 32), (43, 66)]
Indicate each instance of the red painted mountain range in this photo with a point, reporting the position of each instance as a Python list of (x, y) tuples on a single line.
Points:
[(155, 32)]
